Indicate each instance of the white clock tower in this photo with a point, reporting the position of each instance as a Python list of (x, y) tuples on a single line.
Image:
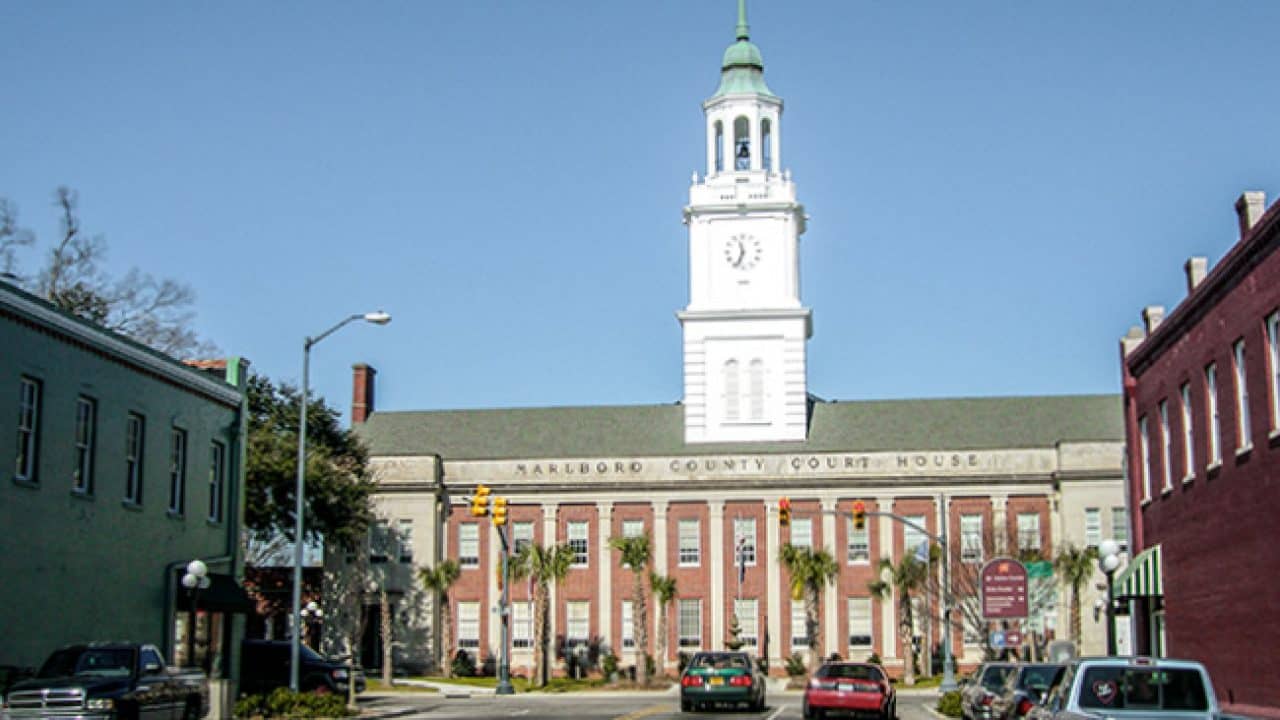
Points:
[(744, 328)]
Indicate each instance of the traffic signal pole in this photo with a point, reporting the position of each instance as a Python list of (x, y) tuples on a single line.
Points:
[(504, 613)]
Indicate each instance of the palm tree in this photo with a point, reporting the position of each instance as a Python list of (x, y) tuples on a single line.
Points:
[(544, 565), (905, 578), (664, 591), (1075, 567), (636, 555), (810, 572), (437, 581)]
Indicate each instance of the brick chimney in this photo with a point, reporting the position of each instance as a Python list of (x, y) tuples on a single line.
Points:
[(1249, 207), (1197, 267), (362, 377)]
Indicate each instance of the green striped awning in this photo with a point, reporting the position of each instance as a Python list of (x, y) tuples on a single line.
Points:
[(1142, 577)]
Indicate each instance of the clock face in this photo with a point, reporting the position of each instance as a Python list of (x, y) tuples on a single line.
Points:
[(742, 251)]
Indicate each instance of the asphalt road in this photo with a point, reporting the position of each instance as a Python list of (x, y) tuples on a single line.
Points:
[(597, 706)]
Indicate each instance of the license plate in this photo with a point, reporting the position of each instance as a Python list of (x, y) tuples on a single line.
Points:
[(717, 681)]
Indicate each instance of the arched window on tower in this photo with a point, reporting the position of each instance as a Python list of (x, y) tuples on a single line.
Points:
[(732, 391), (755, 384), (766, 144), (719, 146), (741, 144)]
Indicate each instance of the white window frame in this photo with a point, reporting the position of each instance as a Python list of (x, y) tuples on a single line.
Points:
[(858, 548), (404, 540), (689, 615), (380, 541), (217, 479), (134, 457), (29, 400), (628, 626), (1215, 420), (522, 625), (1120, 526), (578, 533), (732, 391), (468, 545), (1166, 475), (632, 528), (971, 538), (1028, 529), (1144, 468), (1273, 378), (689, 543), (1188, 435), (911, 537), (1092, 527), (1244, 423), (802, 532), (744, 529), (747, 610), (469, 625), (859, 617), (521, 535), (577, 622), (799, 631), (177, 471), (86, 439)]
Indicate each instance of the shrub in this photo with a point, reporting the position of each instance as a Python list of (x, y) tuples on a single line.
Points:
[(609, 664), (649, 665), (949, 704), (796, 666), (463, 665), (284, 703), (874, 659)]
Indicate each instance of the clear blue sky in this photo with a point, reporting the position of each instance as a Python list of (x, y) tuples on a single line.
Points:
[(996, 188)]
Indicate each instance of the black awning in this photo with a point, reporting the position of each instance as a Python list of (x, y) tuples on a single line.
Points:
[(224, 594)]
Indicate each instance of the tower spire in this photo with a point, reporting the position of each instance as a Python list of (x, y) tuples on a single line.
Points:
[(742, 30)]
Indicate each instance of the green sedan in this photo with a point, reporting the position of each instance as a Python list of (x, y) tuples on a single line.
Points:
[(721, 677)]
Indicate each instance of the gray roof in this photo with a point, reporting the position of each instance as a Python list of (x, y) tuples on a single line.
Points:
[(658, 430)]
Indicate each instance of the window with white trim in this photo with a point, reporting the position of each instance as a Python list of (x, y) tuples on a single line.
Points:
[(86, 440), (135, 435), (1120, 526), (405, 540), (632, 528), (469, 625), (971, 538), (521, 625), (1188, 436), (177, 471), (1028, 531), (1144, 468), (217, 479), (1165, 473), (1092, 527), (521, 536), (973, 634), (1273, 378), (380, 541), (577, 532), (744, 539), (732, 393), (1211, 408), (755, 389), (468, 545), (28, 430), (690, 623), (799, 629), (1244, 428), (912, 538), (690, 546), (628, 625), (577, 622), (802, 532), (859, 550), (747, 612), (860, 623)]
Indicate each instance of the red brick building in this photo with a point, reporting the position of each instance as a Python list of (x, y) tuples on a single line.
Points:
[(1202, 417)]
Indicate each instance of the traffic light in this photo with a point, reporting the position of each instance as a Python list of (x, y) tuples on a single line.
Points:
[(499, 511), (859, 515), (784, 512), (480, 502)]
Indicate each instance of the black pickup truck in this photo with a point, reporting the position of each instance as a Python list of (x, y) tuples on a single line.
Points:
[(124, 681)]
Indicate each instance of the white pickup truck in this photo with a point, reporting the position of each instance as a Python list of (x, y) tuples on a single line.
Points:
[(1130, 688)]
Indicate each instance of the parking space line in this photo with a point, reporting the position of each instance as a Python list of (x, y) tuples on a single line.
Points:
[(644, 712)]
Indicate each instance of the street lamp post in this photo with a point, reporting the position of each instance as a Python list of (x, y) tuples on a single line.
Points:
[(377, 318), (1108, 561), (195, 580)]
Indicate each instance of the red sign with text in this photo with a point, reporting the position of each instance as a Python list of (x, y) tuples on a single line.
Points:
[(1004, 589)]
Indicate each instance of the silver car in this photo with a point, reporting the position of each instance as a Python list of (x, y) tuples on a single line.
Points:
[(1138, 688)]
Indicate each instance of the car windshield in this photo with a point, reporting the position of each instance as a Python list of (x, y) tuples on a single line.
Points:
[(1038, 677), (307, 653), (993, 677), (720, 661), (857, 672), (110, 662), (1121, 688)]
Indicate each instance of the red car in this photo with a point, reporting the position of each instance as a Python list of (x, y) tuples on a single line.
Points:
[(855, 689)]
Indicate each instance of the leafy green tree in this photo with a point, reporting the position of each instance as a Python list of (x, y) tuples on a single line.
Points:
[(810, 572), (636, 555), (543, 565), (336, 507), (664, 591), (905, 579), (1075, 567), (438, 580)]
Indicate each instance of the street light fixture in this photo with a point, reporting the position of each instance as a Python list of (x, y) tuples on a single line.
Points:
[(195, 580), (377, 318), (1108, 561)]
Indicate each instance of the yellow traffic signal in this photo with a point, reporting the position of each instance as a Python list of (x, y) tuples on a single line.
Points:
[(784, 512), (499, 511), (480, 502), (859, 515)]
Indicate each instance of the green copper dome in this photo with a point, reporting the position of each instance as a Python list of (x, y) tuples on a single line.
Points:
[(742, 70), (743, 53)]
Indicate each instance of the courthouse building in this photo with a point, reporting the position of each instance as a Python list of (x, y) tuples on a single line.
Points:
[(702, 475)]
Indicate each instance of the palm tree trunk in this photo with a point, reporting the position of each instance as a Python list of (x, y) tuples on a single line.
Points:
[(540, 636), (908, 628), (446, 635), (811, 629), (640, 628), (662, 641), (1075, 615)]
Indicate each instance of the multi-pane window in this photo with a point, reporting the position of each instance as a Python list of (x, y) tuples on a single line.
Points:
[(1144, 469), (578, 543), (217, 479), (522, 624), (1165, 473), (469, 625), (632, 528), (913, 539), (755, 389), (1273, 378), (748, 621), (744, 540), (628, 625), (1244, 428), (732, 393), (1028, 531), (405, 540), (86, 439), (859, 550), (1215, 422), (469, 545), (521, 535), (802, 532), (578, 622), (690, 623), (860, 623), (1120, 526), (177, 470), (690, 548), (970, 538), (799, 626), (974, 633), (1092, 527), (28, 430), (135, 434), (1188, 435), (379, 541)]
